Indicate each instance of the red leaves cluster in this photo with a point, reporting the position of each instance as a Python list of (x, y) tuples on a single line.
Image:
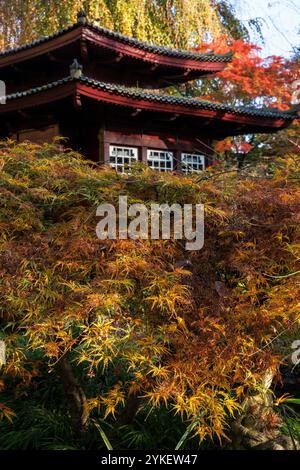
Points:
[(252, 77)]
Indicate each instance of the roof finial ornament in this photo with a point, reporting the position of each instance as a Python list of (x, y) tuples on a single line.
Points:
[(81, 17), (76, 69)]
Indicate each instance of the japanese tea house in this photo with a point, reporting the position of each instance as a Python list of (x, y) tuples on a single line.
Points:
[(109, 103)]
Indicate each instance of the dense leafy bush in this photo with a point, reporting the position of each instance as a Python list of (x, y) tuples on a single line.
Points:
[(127, 332)]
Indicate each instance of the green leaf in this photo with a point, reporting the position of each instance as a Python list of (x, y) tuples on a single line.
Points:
[(296, 401), (104, 436), (186, 435)]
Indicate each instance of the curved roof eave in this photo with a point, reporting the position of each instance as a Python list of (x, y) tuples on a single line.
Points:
[(138, 96), (146, 51)]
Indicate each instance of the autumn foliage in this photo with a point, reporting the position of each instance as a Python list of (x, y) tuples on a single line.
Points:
[(171, 22), (255, 81), (145, 325), (250, 76)]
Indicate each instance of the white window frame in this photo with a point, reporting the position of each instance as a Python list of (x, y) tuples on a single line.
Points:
[(160, 160), (122, 156), (192, 162)]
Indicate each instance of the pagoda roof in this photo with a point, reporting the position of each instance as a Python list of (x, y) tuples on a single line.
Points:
[(142, 45), (252, 119), (187, 64), (118, 37)]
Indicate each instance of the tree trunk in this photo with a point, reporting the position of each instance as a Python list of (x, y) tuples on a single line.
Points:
[(258, 426), (74, 394), (127, 415)]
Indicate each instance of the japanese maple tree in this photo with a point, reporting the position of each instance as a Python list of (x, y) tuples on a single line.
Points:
[(133, 326)]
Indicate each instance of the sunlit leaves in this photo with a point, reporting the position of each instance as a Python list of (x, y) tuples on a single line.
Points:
[(131, 320), (177, 23), (114, 398), (6, 413)]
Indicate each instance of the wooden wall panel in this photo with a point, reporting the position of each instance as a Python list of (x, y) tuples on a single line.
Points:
[(38, 136), (160, 142)]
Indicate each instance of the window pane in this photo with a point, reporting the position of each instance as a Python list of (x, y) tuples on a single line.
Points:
[(192, 162), (160, 160), (121, 158)]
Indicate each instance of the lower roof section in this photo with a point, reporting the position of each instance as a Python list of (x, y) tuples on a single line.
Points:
[(200, 114)]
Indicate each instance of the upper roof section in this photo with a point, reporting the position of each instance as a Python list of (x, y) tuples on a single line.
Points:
[(111, 56)]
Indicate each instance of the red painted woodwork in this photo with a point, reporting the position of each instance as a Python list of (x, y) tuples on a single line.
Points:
[(158, 142), (92, 117), (103, 58), (75, 89), (172, 62)]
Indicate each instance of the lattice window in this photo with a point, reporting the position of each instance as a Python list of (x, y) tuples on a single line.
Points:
[(192, 162), (121, 158), (160, 160)]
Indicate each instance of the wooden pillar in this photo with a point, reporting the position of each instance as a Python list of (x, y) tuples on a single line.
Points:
[(209, 153), (144, 155), (103, 146), (177, 160)]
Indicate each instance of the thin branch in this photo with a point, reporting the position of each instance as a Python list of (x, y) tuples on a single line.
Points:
[(283, 276)]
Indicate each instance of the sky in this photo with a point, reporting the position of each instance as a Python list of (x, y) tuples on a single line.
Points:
[(280, 23)]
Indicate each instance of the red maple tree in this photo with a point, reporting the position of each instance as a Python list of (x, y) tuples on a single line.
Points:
[(249, 80)]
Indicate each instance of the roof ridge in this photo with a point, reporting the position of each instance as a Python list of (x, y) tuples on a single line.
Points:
[(47, 86)]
